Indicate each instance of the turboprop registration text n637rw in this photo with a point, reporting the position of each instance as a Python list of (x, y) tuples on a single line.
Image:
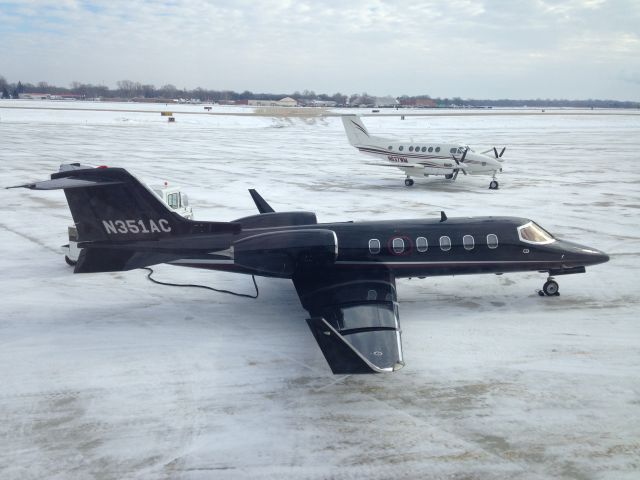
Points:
[(424, 158)]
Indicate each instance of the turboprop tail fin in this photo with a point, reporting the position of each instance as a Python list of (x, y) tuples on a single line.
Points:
[(356, 131)]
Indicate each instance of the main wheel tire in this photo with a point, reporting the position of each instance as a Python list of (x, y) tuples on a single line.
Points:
[(550, 288), (408, 182), (70, 262), (493, 185)]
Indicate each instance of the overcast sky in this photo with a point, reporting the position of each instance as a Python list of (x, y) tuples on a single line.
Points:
[(572, 49)]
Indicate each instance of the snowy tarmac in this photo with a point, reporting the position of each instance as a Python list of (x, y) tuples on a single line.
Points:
[(108, 376)]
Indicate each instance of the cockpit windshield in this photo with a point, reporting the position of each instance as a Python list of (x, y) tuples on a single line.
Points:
[(533, 233)]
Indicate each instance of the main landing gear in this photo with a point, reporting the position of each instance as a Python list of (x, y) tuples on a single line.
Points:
[(550, 288), (408, 181)]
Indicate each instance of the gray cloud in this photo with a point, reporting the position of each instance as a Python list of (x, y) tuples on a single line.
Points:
[(572, 49)]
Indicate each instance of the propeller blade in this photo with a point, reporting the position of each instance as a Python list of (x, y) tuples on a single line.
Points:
[(464, 154), (455, 174), (495, 150), (463, 171), (455, 159), (502, 152)]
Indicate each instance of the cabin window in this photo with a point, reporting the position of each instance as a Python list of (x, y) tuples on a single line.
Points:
[(411, 149), (467, 242), (397, 245), (400, 148), (390, 147), (431, 149), (173, 200), (532, 233), (421, 244), (453, 150), (374, 246), (437, 149), (445, 243), (424, 149), (492, 240)]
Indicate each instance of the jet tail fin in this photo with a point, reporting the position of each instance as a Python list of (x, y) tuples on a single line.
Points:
[(110, 208)]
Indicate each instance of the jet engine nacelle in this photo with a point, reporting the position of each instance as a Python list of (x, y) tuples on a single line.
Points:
[(277, 219), (280, 254)]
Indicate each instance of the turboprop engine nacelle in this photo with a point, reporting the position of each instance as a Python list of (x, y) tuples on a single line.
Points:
[(280, 254)]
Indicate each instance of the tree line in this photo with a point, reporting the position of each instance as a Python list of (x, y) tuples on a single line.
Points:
[(129, 90)]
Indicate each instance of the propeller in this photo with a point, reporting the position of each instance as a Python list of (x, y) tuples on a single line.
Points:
[(495, 150), (458, 162)]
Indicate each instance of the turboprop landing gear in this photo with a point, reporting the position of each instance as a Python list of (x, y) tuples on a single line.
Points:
[(408, 182), (550, 288), (493, 185)]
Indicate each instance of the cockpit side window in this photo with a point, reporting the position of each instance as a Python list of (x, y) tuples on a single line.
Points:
[(535, 234)]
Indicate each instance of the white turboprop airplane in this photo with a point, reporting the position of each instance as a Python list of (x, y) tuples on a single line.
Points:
[(423, 158)]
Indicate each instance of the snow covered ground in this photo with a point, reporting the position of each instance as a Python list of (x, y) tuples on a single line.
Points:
[(109, 376)]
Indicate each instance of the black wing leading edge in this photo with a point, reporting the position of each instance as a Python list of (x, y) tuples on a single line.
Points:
[(354, 318)]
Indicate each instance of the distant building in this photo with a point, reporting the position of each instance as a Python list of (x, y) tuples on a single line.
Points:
[(321, 103), (34, 96), (283, 102)]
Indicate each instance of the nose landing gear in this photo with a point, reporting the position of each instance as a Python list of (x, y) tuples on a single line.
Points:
[(550, 288), (408, 181), (493, 185)]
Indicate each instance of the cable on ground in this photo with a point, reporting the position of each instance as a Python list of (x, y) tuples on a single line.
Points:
[(192, 285)]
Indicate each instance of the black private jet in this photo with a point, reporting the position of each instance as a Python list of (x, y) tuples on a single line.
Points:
[(344, 273)]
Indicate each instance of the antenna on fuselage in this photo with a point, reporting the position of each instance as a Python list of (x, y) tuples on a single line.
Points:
[(443, 216)]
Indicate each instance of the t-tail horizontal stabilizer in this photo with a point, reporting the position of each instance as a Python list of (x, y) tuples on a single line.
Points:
[(341, 356)]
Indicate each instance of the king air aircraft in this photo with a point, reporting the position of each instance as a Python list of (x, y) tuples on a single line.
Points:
[(422, 157), (345, 273)]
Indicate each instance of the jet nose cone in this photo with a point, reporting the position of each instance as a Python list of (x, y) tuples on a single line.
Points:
[(594, 257)]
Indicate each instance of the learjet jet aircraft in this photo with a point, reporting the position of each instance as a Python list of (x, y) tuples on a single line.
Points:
[(344, 273)]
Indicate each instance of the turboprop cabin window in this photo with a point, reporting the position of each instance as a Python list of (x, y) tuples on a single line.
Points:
[(421, 244), (374, 246), (437, 149), (390, 147), (397, 245), (431, 149), (424, 149), (411, 149), (492, 240), (453, 150), (445, 243), (400, 148), (532, 233), (467, 242)]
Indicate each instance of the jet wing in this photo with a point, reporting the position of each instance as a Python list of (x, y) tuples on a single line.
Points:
[(354, 318)]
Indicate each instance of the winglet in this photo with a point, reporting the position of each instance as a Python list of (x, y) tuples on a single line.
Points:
[(261, 203)]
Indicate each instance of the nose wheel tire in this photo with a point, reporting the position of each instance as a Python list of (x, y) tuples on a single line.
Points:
[(493, 185), (550, 289), (408, 182)]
